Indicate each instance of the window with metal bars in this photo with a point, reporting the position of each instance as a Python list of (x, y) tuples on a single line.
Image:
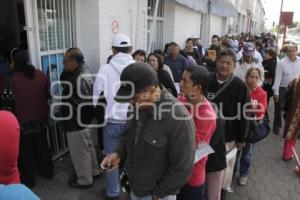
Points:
[(56, 29), (157, 40)]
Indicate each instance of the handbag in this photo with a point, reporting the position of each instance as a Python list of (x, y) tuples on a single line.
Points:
[(7, 97), (258, 130)]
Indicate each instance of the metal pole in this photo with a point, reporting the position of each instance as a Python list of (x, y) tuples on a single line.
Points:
[(284, 34), (153, 25), (279, 19)]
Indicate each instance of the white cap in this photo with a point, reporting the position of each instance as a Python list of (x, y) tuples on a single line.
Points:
[(120, 40)]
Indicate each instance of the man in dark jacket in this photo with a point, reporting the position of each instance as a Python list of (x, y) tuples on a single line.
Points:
[(230, 96), (159, 146), (76, 111), (212, 53)]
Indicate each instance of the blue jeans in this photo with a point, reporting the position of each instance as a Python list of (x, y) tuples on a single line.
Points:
[(111, 135), (149, 197), (245, 161)]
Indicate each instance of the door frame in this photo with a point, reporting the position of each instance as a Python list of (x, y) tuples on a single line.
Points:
[(32, 32)]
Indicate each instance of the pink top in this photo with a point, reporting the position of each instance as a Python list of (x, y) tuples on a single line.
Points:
[(9, 148), (259, 97), (205, 121)]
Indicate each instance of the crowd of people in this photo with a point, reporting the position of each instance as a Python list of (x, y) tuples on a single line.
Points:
[(159, 110)]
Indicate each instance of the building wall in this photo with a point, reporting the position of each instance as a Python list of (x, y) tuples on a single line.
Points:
[(169, 25), (87, 31), (216, 25), (94, 26), (187, 24), (177, 28)]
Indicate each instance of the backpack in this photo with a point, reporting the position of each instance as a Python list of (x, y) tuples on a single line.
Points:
[(7, 97)]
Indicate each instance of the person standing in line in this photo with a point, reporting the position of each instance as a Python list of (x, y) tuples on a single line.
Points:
[(9, 148), (292, 119), (191, 51), (176, 62), (158, 125), (212, 53), (286, 71), (31, 88), (230, 95), (108, 82), (139, 56), (259, 103), (10, 187), (163, 76), (248, 61), (269, 64), (166, 67), (76, 119), (194, 87)]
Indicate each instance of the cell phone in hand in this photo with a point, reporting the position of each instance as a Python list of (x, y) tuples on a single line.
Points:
[(105, 167)]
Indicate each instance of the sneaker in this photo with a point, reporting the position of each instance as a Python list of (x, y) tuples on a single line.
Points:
[(74, 184), (243, 180)]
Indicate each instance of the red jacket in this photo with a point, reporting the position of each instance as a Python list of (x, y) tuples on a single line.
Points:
[(9, 148), (205, 121), (259, 97)]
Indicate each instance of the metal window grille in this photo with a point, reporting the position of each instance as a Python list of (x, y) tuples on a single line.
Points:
[(157, 42), (56, 30)]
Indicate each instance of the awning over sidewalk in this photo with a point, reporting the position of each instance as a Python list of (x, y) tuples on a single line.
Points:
[(223, 8), (218, 7), (196, 5)]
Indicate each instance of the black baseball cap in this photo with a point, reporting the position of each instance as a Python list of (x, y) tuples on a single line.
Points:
[(135, 78)]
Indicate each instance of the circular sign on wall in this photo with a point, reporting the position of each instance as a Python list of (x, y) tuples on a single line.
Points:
[(115, 26)]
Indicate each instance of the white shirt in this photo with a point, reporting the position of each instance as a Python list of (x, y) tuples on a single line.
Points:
[(108, 82), (241, 70), (286, 72)]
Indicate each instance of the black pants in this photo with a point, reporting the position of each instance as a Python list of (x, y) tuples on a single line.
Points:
[(279, 107), (191, 193), (34, 155), (268, 88)]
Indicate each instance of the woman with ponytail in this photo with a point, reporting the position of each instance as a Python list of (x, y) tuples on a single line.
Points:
[(30, 106)]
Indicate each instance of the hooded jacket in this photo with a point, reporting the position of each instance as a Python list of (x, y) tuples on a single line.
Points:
[(108, 82), (9, 148)]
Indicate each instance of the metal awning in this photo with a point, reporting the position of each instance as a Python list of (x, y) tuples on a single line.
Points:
[(218, 7), (223, 8), (196, 5)]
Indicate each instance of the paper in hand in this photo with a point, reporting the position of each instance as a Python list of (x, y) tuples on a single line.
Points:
[(202, 150)]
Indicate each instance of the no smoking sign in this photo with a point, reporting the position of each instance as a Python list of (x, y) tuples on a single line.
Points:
[(115, 27)]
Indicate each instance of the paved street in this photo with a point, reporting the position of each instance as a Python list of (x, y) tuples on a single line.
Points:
[(270, 178)]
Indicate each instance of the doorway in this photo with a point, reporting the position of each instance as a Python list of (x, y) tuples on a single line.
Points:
[(12, 30)]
